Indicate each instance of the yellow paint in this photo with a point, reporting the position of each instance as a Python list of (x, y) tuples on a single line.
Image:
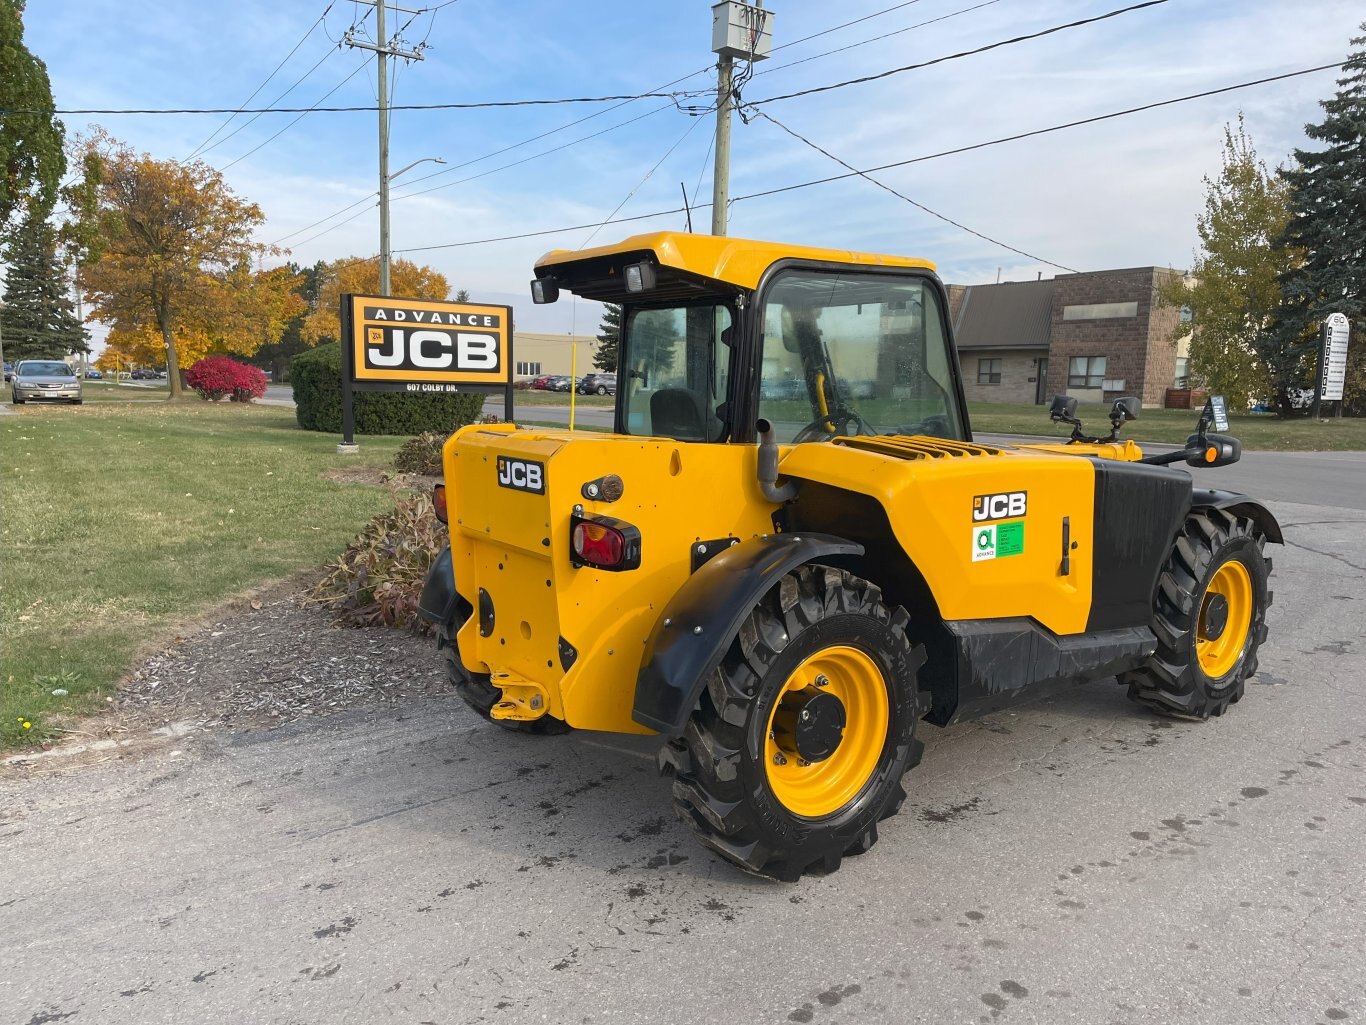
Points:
[(822, 788), (735, 261), (369, 331), (1218, 655)]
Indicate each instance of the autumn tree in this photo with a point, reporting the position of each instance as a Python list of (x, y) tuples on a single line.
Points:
[(609, 336), (275, 355), (32, 160), (361, 277), (166, 248), (1232, 291), (1328, 225), (38, 319)]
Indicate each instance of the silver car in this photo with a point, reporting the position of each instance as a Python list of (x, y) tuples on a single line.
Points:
[(44, 380)]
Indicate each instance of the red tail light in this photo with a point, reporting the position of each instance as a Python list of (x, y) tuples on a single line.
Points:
[(604, 543), (439, 501)]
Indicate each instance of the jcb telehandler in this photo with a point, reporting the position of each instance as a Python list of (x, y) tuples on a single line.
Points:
[(790, 550)]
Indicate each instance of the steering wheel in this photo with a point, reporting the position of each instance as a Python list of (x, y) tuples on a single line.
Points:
[(839, 420), (936, 425)]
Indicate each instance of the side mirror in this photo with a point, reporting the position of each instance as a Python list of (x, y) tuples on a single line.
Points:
[(1213, 450), (1064, 407), (544, 290), (1126, 407)]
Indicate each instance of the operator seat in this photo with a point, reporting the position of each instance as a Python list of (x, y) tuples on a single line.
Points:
[(677, 413)]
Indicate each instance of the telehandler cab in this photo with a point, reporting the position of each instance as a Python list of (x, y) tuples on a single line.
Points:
[(790, 551)]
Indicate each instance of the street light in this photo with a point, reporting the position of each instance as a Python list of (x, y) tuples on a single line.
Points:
[(384, 219)]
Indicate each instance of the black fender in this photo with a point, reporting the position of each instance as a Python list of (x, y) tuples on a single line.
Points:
[(1239, 505), (440, 602), (697, 625)]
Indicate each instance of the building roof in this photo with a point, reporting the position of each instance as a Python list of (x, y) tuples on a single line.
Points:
[(1012, 315)]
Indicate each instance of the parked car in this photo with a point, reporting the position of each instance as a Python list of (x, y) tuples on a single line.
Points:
[(9, 370), (143, 375), (94, 375), (598, 384), (542, 382), (560, 382), (44, 380)]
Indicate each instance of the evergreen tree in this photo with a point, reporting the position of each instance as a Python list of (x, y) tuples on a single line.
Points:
[(274, 356), (39, 320), (609, 334), (462, 296), (1328, 222)]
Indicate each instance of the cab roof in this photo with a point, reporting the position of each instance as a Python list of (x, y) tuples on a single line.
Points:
[(735, 261)]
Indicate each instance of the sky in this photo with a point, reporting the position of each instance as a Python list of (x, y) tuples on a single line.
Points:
[(1124, 192)]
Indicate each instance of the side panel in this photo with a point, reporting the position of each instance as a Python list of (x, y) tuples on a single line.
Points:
[(931, 503)]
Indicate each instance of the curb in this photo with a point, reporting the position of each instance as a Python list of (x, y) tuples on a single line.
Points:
[(170, 731)]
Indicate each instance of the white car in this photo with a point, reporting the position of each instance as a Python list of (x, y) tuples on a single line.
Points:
[(44, 380)]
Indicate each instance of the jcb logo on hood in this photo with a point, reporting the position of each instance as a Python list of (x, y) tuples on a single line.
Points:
[(521, 475), (1006, 505)]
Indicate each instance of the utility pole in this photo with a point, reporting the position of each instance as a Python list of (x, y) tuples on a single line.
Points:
[(737, 30), (384, 48)]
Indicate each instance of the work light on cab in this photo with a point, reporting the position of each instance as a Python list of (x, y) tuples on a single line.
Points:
[(604, 542)]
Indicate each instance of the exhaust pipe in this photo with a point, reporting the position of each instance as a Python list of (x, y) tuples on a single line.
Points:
[(768, 468)]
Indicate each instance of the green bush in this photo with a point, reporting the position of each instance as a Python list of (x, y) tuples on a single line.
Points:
[(316, 376)]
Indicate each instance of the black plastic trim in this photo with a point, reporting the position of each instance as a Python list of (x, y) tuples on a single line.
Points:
[(700, 620), (1239, 505), (440, 602)]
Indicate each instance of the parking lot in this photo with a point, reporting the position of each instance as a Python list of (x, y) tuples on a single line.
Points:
[(1072, 860)]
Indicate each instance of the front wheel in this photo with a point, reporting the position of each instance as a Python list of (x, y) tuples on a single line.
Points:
[(801, 737), (602, 389), (1209, 616)]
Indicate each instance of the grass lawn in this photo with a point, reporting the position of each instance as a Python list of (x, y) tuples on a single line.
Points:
[(121, 520), (1256, 430), (108, 391), (530, 397)]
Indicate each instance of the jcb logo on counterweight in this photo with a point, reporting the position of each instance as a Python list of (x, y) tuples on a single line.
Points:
[(1007, 505), (521, 475)]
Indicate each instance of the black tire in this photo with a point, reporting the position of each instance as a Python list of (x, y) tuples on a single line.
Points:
[(1173, 682), (602, 389), (722, 790), (481, 695)]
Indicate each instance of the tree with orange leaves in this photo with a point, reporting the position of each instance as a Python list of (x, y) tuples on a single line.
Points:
[(361, 277), (165, 252)]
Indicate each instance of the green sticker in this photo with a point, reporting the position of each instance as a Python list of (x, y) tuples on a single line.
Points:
[(1009, 538)]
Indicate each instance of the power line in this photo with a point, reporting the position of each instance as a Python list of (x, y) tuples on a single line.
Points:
[(302, 40), (908, 199), (963, 53), (904, 163), (251, 120)]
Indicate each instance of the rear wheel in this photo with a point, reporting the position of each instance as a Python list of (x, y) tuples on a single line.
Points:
[(804, 731), (602, 389), (1209, 616), (481, 695)]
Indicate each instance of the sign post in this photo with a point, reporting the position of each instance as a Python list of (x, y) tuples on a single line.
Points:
[(422, 347), (1333, 338)]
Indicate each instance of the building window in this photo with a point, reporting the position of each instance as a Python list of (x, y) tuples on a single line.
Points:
[(525, 369), (1100, 311), (1183, 379), (1086, 372), (988, 371)]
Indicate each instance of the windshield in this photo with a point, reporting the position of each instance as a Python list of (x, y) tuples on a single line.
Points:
[(39, 368), (676, 362), (849, 353)]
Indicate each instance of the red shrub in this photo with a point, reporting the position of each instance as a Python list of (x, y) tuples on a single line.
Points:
[(215, 377)]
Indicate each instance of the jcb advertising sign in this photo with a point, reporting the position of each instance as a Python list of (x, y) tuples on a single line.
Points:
[(425, 345)]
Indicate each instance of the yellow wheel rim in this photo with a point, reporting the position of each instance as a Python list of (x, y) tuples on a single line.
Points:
[(816, 789), (1218, 646)]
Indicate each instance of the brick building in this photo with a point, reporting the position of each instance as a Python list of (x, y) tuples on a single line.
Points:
[(1096, 336)]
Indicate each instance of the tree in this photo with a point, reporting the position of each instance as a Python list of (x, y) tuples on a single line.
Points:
[(609, 335), (1328, 225), (462, 296), (275, 356), (38, 320), (166, 248), (361, 277), (1232, 290), (32, 159)]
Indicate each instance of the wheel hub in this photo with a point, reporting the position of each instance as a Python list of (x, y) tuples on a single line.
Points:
[(1214, 618), (809, 724)]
